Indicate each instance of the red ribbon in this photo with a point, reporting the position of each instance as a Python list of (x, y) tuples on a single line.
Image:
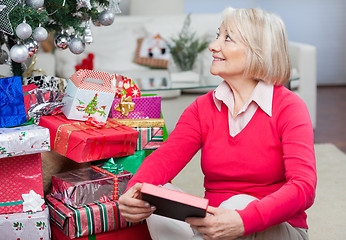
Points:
[(92, 121), (115, 178), (55, 207)]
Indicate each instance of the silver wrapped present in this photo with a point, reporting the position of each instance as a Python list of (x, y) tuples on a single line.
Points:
[(24, 140)]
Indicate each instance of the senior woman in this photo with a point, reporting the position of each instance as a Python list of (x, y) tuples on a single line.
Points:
[(256, 141)]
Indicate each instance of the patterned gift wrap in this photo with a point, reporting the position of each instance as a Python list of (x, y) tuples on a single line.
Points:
[(135, 232), (50, 83), (25, 226), (144, 107), (18, 176), (90, 219), (24, 140), (12, 108), (87, 185), (150, 138), (84, 143), (88, 94)]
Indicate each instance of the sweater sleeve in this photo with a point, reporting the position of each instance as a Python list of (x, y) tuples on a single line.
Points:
[(182, 144), (297, 194)]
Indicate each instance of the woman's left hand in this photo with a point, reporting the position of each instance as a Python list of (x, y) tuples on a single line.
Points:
[(220, 224)]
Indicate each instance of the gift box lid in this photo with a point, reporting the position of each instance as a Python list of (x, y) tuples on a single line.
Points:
[(93, 80)]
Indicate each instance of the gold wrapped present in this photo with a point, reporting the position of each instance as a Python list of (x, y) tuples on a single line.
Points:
[(147, 122)]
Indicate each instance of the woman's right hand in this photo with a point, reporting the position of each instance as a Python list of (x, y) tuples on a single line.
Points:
[(132, 207)]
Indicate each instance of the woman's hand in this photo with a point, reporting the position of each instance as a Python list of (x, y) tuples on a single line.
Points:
[(132, 207), (220, 224)]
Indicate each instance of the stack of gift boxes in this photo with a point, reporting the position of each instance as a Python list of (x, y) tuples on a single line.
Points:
[(104, 120), (23, 213)]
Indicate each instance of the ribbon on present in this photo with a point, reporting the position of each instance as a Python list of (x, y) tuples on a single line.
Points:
[(64, 132), (92, 121), (113, 167), (125, 106), (115, 178)]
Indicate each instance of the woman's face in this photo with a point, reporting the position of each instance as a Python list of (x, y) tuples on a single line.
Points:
[(229, 54)]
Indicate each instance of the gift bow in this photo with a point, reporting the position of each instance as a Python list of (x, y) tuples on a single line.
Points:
[(113, 167), (92, 121), (125, 106)]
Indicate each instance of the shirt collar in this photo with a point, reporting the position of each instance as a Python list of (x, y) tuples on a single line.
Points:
[(262, 95)]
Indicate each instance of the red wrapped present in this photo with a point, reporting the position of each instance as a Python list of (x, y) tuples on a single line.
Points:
[(26, 89), (21, 184), (84, 142), (91, 219), (135, 232)]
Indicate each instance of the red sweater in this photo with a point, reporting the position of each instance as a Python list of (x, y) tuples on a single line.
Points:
[(272, 159)]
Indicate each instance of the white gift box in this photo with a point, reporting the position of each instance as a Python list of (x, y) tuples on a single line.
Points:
[(25, 226), (23, 140), (88, 94)]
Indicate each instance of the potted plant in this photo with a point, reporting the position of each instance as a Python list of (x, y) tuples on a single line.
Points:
[(185, 48)]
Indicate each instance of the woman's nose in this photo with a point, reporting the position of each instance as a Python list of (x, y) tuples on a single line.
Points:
[(214, 46)]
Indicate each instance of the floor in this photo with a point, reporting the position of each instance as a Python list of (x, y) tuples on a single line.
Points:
[(331, 116)]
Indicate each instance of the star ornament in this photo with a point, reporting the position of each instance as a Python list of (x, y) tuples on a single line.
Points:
[(6, 6), (32, 202)]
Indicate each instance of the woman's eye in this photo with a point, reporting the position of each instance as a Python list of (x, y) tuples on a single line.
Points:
[(228, 38)]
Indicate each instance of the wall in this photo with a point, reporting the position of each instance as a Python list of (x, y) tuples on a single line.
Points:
[(318, 22)]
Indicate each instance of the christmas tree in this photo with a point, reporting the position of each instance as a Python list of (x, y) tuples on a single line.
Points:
[(91, 107), (26, 23)]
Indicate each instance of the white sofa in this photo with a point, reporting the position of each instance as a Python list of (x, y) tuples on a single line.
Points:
[(114, 49)]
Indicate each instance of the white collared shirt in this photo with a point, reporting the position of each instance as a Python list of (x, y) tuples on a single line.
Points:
[(261, 96)]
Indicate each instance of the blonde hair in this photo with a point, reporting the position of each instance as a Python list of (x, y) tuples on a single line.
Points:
[(264, 34)]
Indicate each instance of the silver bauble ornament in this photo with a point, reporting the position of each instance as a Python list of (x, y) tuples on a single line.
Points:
[(19, 53), (32, 47), (96, 22), (76, 45), (106, 17), (23, 30), (40, 34), (62, 40), (35, 3), (3, 56)]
